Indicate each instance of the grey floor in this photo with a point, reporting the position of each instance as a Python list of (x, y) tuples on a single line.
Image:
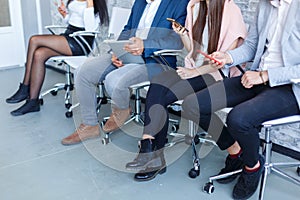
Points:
[(35, 166)]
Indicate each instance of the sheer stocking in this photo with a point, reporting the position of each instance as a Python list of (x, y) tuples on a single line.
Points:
[(40, 49)]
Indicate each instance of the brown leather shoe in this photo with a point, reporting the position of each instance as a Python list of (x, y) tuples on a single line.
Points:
[(83, 132), (116, 119)]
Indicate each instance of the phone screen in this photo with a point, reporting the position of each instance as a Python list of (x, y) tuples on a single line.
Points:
[(209, 57)]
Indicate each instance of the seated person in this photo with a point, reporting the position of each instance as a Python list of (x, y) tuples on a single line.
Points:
[(263, 93), (149, 31), (228, 29), (79, 15)]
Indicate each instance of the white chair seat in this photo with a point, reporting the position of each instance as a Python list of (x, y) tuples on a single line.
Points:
[(73, 61)]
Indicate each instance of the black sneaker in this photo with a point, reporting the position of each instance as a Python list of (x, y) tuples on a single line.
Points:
[(231, 164), (248, 182)]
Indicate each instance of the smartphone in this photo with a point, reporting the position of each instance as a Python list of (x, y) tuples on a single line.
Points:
[(209, 57), (177, 23)]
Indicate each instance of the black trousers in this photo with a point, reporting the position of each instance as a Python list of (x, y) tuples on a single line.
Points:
[(166, 88), (251, 107)]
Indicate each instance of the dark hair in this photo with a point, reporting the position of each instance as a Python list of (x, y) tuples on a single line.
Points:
[(215, 14), (100, 7)]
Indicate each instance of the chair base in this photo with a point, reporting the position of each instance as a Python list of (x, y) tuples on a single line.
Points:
[(56, 88), (269, 166), (274, 167), (101, 99), (192, 138), (68, 86)]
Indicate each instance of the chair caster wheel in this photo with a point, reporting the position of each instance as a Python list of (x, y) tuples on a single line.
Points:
[(68, 105), (54, 93), (298, 171), (105, 141), (209, 188), (193, 173), (69, 114), (41, 101), (175, 128)]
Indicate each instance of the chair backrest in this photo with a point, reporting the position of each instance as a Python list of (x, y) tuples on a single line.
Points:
[(118, 20)]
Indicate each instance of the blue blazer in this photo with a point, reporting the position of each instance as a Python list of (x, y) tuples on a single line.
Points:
[(254, 44), (161, 35)]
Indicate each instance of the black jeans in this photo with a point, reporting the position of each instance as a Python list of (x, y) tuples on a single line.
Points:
[(251, 107), (166, 88)]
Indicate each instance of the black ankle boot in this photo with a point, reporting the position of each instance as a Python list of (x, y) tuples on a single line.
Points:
[(156, 166), (31, 105), (20, 95), (149, 161), (144, 156)]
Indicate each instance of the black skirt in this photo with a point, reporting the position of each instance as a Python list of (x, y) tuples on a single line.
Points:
[(75, 47)]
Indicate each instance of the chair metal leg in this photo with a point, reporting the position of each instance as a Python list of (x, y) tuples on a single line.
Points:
[(273, 167), (67, 86), (136, 116)]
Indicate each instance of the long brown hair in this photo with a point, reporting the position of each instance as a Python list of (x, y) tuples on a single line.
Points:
[(214, 11), (100, 7)]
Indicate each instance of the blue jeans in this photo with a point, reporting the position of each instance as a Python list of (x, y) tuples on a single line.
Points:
[(251, 107)]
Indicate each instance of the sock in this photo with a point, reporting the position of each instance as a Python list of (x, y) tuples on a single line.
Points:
[(253, 170), (233, 156)]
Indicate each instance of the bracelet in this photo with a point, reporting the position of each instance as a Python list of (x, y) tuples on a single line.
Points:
[(262, 78)]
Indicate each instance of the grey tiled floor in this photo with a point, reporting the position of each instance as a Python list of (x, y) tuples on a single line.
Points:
[(35, 166)]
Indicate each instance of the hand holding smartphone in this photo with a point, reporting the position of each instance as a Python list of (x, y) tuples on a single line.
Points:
[(209, 57), (178, 25)]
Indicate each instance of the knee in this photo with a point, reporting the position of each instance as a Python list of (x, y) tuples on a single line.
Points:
[(112, 84), (81, 75), (40, 55), (238, 122), (33, 41)]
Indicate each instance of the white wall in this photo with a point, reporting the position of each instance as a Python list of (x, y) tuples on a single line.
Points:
[(12, 48), (36, 14)]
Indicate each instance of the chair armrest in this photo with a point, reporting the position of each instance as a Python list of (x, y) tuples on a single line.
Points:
[(79, 38), (167, 52), (84, 33), (159, 56), (51, 28), (295, 80)]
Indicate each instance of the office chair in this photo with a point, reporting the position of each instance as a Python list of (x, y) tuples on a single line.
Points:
[(267, 152), (137, 114)]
